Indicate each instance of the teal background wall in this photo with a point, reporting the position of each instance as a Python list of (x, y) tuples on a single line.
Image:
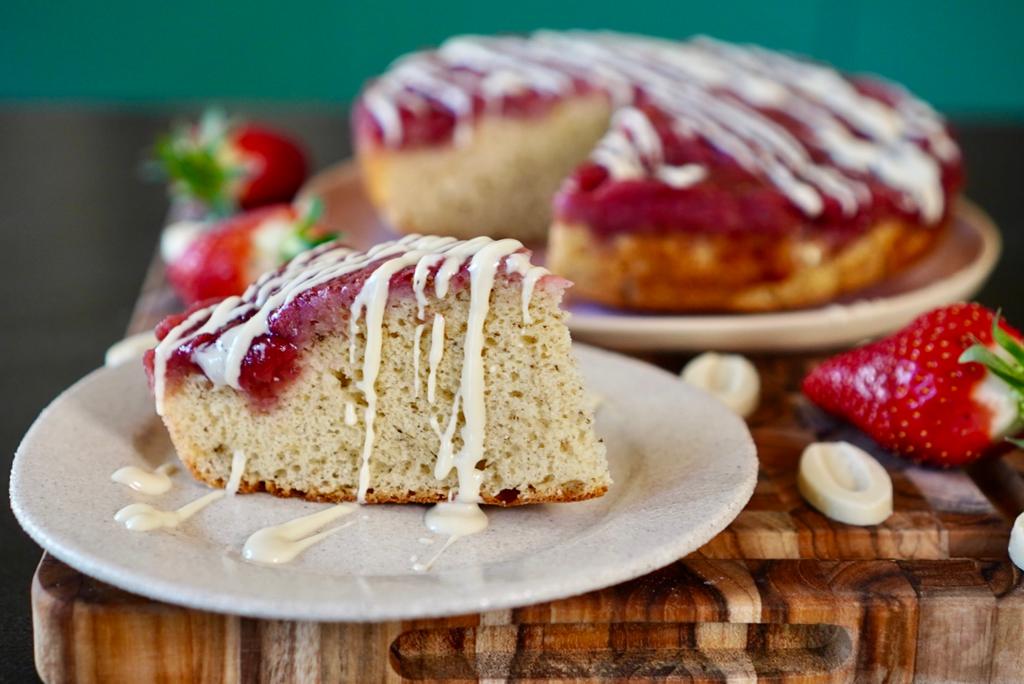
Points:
[(965, 57)]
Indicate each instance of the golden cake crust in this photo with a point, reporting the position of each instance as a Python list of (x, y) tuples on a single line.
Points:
[(679, 272), (505, 498)]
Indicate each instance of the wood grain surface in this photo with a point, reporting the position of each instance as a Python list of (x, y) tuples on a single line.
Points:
[(783, 594)]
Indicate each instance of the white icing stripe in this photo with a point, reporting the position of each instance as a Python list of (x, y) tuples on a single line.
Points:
[(372, 300), (482, 268), (704, 88), (520, 263), (238, 461), (416, 360), (436, 352)]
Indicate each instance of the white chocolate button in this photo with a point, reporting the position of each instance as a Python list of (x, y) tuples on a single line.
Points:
[(845, 483), (177, 237), (730, 378), (1017, 542), (129, 349)]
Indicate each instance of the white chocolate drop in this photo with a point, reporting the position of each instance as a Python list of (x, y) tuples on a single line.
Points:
[(129, 349), (1016, 548), (282, 543), (455, 520), (147, 482), (141, 517), (730, 378), (845, 483)]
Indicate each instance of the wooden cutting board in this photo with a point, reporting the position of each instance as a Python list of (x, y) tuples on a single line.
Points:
[(783, 594)]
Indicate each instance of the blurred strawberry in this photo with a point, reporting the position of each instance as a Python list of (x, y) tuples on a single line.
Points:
[(227, 166), (225, 258), (946, 390)]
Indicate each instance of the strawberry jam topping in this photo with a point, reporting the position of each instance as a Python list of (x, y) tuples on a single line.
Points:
[(311, 297)]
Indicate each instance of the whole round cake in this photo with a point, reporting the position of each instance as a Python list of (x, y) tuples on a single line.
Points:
[(669, 176)]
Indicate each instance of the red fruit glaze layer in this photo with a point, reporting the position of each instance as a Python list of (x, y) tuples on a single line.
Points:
[(435, 126), (730, 199), (273, 360)]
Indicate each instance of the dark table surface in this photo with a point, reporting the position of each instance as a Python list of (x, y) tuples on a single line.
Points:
[(78, 226)]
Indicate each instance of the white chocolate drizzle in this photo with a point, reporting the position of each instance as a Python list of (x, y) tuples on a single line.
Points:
[(730, 378), (435, 356), (703, 89), (520, 263), (144, 481), (416, 360), (282, 543), (237, 321), (238, 460), (141, 517), (455, 520)]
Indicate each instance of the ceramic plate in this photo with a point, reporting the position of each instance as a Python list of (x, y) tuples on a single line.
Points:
[(683, 468), (954, 270)]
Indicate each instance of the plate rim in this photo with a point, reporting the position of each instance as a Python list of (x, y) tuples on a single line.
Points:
[(78, 555)]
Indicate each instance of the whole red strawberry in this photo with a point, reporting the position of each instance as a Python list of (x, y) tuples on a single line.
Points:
[(945, 390), (227, 166), (228, 256)]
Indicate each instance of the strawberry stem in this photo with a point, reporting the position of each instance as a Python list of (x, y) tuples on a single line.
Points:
[(191, 157)]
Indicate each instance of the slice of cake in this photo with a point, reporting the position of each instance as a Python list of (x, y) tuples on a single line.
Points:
[(424, 370)]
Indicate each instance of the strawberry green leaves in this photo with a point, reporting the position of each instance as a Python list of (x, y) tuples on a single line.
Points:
[(192, 158), (307, 233), (1008, 367)]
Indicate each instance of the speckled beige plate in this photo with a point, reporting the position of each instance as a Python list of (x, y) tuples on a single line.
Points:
[(683, 468), (954, 270)]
